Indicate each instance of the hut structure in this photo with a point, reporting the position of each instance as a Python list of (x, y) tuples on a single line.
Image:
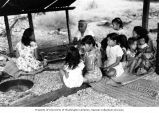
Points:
[(16, 7)]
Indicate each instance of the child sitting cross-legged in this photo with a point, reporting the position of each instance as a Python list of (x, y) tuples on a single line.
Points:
[(71, 74), (113, 66)]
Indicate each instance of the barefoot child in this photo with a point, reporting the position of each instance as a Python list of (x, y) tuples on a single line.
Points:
[(92, 60), (72, 70), (131, 53), (113, 65)]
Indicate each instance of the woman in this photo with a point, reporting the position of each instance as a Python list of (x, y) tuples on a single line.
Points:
[(139, 31), (92, 60), (26, 56), (26, 53)]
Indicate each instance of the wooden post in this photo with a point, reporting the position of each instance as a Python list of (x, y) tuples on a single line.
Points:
[(8, 35), (68, 28), (157, 54), (31, 22), (145, 16)]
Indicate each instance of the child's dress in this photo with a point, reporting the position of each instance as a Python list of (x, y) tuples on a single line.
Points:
[(27, 61), (75, 77), (95, 74), (112, 54), (147, 57)]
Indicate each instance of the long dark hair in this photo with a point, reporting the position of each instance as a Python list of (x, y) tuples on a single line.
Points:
[(88, 40), (26, 37), (140, 31), (122, 40), (73, 57)]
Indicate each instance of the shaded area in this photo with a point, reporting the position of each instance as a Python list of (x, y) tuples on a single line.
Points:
[(13, 7)]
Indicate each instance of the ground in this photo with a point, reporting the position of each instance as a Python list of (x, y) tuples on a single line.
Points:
[(96, 12)]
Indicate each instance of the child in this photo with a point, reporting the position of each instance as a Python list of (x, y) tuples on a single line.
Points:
[(92, 60), (131, 53), (144, 57), (118, 26), (72, 70), (122, 41), (113, 65)]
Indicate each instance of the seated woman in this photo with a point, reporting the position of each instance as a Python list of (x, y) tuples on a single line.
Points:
[(26, 57), (144, 59), (92, 60)]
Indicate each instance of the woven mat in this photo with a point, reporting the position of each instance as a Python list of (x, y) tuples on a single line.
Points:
[(138, 93)]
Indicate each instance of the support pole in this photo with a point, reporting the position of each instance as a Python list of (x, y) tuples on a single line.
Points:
[(145, 16), (31, 23), (8, 35), (68, 27), (157, 54)]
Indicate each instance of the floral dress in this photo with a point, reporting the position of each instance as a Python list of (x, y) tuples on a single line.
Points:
[(27, 61), (95, 74)]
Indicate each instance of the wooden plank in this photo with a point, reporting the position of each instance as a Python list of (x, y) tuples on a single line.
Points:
[(8, 35), (157, 54), (48, 97), (145, 16), (68, 27)]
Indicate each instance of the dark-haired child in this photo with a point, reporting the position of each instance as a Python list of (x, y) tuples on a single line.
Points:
[(131, 53), (118, 25), (113, 65), (72, 70), (92, 60), (122, 41)]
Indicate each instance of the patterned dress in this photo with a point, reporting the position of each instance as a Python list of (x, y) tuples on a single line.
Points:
[(27, 61), (95, 74)]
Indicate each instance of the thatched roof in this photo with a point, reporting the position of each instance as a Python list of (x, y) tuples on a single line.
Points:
[(13, 7)]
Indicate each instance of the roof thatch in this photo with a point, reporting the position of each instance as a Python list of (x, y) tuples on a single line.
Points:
[(13, 7)]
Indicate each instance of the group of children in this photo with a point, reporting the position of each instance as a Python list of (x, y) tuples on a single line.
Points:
[(133, 55), (117, 54), (87, 61)]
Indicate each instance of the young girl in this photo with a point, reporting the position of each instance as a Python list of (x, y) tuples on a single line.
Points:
[(72, 70), (122, 41), (118, 26), (131, 53), (113, 66), (92, 60)]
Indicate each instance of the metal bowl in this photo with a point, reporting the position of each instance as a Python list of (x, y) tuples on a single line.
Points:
[(19, 85)]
